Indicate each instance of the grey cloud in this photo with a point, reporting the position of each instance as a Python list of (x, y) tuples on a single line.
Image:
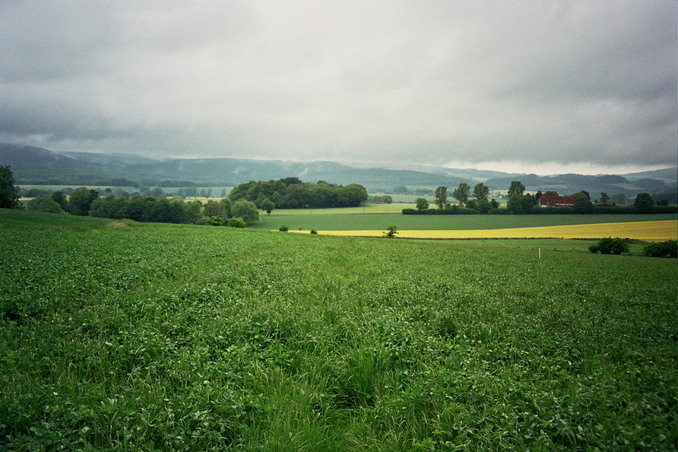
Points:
[(561, 81)]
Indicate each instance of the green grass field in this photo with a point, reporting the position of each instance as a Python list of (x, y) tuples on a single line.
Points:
[(172, 337), (355, 219)]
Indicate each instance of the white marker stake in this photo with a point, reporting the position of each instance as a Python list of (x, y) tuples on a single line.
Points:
[(539, 253)]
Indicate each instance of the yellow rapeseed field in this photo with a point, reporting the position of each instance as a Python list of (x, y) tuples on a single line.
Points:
[(650, 231)]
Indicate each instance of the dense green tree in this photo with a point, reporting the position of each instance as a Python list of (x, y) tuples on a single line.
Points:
[(521, 204), (643, 202), (604, 198), (240, 192), (137, 208), (516, 188), (227, 206), (160, 211), (461, 193), (356, 194), (481, 191), (422, 204), (214, 209), (668, 248), (108, 207), (292, 193), (246, 210), (583, 205), (298, 196), (484, 205), (80, 200), (441, 196), (44, 204), (9, 195), (266, 205), (237, 222), (193, 211), (610, 246), (59, 198)]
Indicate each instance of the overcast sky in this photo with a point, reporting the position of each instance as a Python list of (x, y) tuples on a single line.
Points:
[(540, 86)]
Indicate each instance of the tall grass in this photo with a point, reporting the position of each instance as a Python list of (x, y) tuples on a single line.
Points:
[(185, 337)]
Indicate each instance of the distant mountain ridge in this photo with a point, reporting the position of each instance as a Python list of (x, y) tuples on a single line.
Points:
[(37, 166)]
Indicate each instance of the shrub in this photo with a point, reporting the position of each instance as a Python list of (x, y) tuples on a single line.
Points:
[(610, 246), (237, 222), (668, 248), (44, 204), (283, 228), (215, 221), (313, 231), (391, 232)]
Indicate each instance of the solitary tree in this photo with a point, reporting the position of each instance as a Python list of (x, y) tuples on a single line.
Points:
[(481, 191), (422, 204), (516, 188), (441, 196), (9, 197), (461, 193), (267, 205), (391, 232), (604, 198), (643, 202)]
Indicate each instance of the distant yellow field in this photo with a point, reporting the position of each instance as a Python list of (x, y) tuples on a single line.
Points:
[(651, 231)]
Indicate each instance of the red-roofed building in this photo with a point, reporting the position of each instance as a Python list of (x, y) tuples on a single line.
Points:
[(556, 201)]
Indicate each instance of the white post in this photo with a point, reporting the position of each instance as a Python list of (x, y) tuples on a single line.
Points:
[(539, 253)]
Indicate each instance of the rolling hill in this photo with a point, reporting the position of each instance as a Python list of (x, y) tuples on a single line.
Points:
[(37, 166)]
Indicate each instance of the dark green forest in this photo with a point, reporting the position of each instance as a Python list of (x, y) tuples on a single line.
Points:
[(292, 193)]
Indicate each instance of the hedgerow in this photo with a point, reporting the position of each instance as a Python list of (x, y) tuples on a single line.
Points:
[(668, 248)]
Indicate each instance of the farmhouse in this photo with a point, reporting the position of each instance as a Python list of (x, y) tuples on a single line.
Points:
[(556, 201)]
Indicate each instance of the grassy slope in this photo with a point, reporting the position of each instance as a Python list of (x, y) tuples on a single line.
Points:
[(164, 336)]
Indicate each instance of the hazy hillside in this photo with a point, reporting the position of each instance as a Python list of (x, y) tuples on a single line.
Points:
[(36, 166)]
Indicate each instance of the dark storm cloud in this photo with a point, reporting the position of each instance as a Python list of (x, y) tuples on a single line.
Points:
[(534, 82)]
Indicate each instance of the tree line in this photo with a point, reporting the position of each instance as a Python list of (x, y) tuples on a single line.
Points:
[(292, 193), (480, 203), (84, 201), (520, 202)]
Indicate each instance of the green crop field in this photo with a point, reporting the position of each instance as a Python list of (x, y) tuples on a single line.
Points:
[(354, 219), (130, 336)]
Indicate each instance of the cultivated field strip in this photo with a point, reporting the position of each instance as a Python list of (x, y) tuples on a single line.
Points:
[(646, 230)]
